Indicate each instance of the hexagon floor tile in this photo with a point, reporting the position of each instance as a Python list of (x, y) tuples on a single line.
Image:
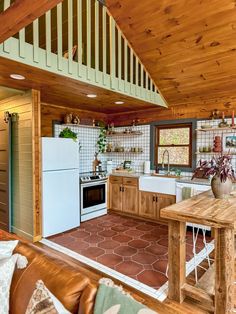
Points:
[(136, 248)]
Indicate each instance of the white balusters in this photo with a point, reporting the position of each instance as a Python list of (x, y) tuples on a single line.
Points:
[(104, 42), (96, 24), (48, 38), (70, 35), (36, 40), (6, 44), (80, 34), (112, 51), (59, 36), (22, 43), (88, 10)]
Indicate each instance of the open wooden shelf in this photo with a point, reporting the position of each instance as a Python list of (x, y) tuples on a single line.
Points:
[(214, 153), (123, 152), (137, 133), (216, 129)]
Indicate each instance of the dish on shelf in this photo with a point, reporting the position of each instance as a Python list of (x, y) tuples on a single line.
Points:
[(206, 126)]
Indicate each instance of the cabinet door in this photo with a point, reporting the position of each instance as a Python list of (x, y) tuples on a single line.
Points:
[(130, 199), (115, 191), (164, 200), (147, 205)]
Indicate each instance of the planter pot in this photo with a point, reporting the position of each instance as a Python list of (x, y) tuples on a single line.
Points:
[(220, 189)]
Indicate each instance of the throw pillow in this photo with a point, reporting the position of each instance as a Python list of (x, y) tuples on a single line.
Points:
[(44, 302), (112, 299), (6, 248), (7, 267)]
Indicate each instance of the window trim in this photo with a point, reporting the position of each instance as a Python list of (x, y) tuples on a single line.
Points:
[(170, 124)]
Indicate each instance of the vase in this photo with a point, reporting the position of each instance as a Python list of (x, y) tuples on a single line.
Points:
[(221, 190)]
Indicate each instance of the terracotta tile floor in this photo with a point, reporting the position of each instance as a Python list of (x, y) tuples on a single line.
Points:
[(133, 247)]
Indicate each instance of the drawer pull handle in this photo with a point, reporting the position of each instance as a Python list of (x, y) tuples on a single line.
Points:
[(156, 198), (153, 199)]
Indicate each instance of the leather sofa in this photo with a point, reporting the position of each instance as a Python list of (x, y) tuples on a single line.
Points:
[(74, 289)]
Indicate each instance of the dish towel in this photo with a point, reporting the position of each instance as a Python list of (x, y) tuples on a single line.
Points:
[(186, 193)]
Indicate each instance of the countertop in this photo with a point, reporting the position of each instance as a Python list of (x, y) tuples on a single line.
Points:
[(129, 174), (204, 209), (194, 181)]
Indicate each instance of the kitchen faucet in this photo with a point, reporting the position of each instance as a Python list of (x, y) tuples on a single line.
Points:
[(168, 161)]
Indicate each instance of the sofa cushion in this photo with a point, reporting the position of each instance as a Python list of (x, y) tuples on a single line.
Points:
[(63, 280), (40, 301)]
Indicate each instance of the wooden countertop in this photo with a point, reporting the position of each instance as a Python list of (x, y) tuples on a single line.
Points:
[(204, 209)]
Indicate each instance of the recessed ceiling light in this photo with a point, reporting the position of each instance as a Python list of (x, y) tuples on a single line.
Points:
[(91, 95), (17, 77), (119, 102)]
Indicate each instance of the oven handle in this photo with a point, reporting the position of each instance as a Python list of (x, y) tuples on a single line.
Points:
[(93, 183)]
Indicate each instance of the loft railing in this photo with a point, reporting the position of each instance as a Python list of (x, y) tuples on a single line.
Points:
[(79, 39)]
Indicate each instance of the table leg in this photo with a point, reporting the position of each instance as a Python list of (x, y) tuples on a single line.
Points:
[(224, 261), (176, 259)]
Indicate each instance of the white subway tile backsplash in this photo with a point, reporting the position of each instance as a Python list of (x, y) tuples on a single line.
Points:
[(88, 138)]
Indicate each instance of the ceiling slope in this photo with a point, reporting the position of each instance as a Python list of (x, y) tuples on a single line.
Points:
[(188, 47)]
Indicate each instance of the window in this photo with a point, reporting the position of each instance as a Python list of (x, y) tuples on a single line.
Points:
[(177, 139)]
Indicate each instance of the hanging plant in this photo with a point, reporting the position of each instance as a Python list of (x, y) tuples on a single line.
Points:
[(102, 140), (68, 133)]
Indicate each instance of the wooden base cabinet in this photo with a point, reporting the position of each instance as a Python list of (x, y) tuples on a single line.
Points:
[(150, 204), (147, 205), (123, 194)]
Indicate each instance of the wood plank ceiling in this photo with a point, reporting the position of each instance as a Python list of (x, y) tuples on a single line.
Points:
[(188, 47)]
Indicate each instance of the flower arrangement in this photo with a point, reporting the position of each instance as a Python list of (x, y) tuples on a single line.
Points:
[(218, 166)]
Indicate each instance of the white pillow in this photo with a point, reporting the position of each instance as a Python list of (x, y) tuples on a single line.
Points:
[(7, 267), (6, 248), (43, 300), (58, 305)]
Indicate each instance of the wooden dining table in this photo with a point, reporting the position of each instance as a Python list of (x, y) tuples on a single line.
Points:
[(220, 215)]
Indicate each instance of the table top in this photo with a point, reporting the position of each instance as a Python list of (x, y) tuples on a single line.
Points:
[(204, 209)]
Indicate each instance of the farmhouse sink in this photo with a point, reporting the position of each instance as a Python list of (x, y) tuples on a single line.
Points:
[(157, 184)]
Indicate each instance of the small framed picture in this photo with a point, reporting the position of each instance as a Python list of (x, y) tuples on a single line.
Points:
[(229, 142)]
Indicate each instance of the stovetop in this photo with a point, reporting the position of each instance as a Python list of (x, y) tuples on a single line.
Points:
[(93, 176)]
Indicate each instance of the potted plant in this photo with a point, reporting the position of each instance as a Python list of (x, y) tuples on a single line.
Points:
[(102, 140), (223, 174), (68, 133)]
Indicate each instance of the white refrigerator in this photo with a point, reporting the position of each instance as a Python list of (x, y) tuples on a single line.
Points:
[(60, 185)]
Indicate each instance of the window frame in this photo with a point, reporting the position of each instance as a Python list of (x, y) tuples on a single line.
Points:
[(155, 129)]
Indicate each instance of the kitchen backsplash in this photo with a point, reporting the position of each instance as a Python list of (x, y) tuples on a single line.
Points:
[(88, 137), (205, 140), (135, 142)]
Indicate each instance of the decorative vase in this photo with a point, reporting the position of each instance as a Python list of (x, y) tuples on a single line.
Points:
[(221, 190)]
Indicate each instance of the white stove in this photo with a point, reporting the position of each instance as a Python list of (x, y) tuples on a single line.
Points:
[(93, 194)]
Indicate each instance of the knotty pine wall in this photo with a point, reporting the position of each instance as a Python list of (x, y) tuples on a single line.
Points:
[(201, 111), (24, 163), (51, 112)]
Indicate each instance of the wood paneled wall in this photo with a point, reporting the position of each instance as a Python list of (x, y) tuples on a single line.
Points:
[(36, 160), (50, 113), (201, 111), (22, 166)]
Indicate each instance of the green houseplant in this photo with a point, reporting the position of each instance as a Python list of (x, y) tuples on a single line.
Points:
[(102, 140), (68, 133)]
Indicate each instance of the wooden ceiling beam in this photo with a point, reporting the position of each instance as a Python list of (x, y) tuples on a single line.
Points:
[(21, 13)]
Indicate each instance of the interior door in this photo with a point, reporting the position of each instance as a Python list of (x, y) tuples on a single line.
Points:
[(5, 164)]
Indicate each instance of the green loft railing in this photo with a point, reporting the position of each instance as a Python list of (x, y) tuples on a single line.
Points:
[(80, 39)]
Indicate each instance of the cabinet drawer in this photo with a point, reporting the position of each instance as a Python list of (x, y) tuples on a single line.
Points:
[(130, 181), (115, 179)]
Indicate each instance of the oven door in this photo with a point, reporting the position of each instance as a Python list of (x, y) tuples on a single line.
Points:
[(93, 196)]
